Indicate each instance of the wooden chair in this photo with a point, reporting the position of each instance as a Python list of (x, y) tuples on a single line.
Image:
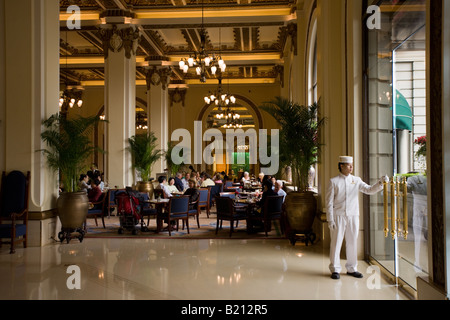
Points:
[(203, 200), (14, 207), (177, 209), (272, 210), (98, 210), (111, 200), (159, 193), (146, 209), (214, 191), (228, 184), (227, 211), (194, 211)]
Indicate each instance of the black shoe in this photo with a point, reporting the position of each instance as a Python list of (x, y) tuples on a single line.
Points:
[(355, 274), (335, 276)]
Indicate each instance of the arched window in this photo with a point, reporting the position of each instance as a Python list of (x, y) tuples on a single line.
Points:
[(312, 61)]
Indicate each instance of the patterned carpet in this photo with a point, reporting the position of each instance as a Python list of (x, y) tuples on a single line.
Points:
[(207, 230)]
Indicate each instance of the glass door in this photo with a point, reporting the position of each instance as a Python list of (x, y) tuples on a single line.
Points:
[(396, 79)]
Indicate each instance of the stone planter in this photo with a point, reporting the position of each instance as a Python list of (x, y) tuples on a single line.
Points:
[(72, 211), (300, 211)]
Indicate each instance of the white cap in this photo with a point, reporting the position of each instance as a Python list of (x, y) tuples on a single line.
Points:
[(345, 159)]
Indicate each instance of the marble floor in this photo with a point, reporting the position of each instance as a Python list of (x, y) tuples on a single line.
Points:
[(162, 269)]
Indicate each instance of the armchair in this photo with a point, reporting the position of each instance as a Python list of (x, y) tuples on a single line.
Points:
[(98, 210), (13, 208)]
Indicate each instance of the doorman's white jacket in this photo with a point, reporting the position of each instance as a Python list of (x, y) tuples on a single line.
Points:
[(342, 195)]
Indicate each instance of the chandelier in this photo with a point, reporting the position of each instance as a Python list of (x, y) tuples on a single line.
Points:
[(202, 61), (219, 97), (232, 119), (70, 97)]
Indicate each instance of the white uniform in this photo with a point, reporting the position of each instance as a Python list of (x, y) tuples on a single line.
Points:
[(343, 208)]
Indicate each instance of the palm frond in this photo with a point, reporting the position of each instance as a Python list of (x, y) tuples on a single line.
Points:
[(299, 135), (68, 146)]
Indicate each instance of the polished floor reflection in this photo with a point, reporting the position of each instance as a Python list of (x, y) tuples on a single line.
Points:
[(161, 269)]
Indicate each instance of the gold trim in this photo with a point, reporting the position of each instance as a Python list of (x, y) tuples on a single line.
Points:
[(43, 215)]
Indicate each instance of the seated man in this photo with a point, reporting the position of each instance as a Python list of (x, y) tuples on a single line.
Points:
[(279, 189), (162, 180), (206, 181), (185, 181), (179, 181)]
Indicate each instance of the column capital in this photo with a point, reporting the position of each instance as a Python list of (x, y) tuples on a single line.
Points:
[(158, 75), (116, 37), (292, 32)]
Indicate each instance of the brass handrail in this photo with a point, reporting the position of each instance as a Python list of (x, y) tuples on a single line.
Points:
[(399, 191)]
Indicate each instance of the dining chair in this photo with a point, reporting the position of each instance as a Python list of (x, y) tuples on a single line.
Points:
[(214, 191), (146, 209), (14, 208), (97, 210), (203, 200), (272, 210), (111, 200), (194, 211), (159, 193), (178, 209), (227, 211)]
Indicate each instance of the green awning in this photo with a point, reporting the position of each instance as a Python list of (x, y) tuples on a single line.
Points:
[(403, 113)]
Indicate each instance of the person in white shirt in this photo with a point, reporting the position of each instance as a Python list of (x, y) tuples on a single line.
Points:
[(185, 181), (245, 178), (279, 189), (162, 180), (343, 215), (171, 186), (206, 181)]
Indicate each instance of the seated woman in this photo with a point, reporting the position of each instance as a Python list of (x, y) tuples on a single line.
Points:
[(193, 194), (83, 183), (268, 192), (217, 178), (245, 178), (162, 180), (95, 192), (257, 225), (172, 188)]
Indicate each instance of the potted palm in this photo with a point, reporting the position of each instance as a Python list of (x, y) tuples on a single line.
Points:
[(69, 148), (144, 153), (299, 149)]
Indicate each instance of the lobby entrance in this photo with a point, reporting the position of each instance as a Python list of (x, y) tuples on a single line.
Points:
[(397, 218)]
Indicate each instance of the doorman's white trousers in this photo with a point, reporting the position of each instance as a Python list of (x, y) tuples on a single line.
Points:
[(347, 227)]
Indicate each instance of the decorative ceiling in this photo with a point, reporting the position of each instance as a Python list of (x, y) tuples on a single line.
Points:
[(249, 34)]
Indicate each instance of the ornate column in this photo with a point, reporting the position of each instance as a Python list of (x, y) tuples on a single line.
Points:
[(29, 94), (158, 78), (120, 41)]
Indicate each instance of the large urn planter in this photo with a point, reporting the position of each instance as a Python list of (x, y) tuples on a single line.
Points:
[(300, 211), (146, 186), (72, 211)]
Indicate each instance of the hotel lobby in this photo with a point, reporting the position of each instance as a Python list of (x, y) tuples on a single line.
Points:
[(189, 70)]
